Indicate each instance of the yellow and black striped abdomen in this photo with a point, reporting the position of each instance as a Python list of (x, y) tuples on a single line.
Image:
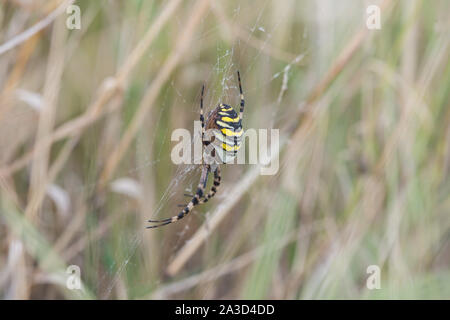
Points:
[(228, 136)]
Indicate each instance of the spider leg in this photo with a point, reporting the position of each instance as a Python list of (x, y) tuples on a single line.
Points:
[(188, 208), (214, 187), (241, 111), (202, 118)]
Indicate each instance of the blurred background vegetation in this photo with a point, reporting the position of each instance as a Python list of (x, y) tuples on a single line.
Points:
[(86, 118)]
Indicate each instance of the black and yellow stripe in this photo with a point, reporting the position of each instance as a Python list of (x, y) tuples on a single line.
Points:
[(228, 137)]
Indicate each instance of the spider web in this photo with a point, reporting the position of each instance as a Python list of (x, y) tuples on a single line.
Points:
[(221, 86)]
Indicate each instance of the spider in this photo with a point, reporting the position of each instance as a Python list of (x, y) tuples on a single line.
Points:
[(225, 142)]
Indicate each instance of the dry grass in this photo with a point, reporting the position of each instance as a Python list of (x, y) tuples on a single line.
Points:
[(85, 123)]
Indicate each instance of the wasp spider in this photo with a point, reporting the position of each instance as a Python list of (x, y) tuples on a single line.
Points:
[(222, 147)]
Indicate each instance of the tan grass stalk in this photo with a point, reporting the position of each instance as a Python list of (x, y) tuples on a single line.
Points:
[(110, 88), (24, 36), (256, 43), (152, 92), (55, 67)]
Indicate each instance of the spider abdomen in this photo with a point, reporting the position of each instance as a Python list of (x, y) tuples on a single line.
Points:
[(227, 134)]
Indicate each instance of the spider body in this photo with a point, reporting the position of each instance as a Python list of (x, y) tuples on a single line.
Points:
[(224, 129), (226, 134)]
